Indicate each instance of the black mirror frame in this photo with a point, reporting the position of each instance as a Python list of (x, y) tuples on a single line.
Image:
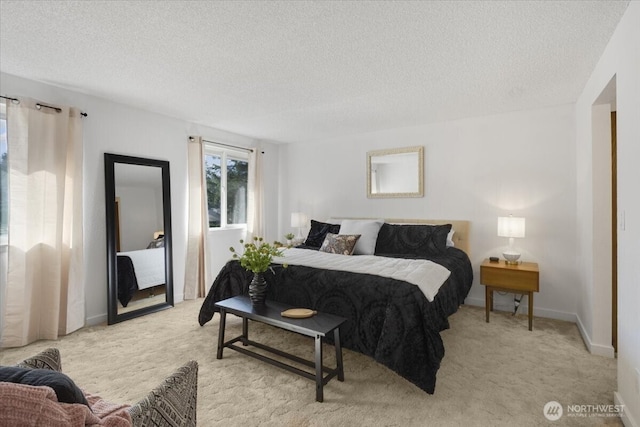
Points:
[(110, 200)]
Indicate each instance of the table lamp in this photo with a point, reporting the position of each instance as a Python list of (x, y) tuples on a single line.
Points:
[(511, 227), (298, 220)]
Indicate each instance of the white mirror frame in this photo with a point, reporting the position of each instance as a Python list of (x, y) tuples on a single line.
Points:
[(420, 172)]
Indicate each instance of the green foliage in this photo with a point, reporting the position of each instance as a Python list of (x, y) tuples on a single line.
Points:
[(257, 256), (237, 172), (289, 236), (3, 162), (213, 173), (237, 178)]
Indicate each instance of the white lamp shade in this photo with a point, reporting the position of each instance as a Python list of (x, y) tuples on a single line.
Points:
[(298, 220), (509, 226)]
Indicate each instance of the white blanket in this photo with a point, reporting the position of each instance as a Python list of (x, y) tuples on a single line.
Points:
[(425, 274), (148, 265)]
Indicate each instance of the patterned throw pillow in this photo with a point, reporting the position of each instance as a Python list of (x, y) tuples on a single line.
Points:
[(419, 240), (46, 359), (172, 403), (157, 243), (342, 244)]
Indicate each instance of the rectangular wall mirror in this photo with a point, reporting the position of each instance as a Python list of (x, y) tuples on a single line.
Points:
[(397, 172), (139, 259)]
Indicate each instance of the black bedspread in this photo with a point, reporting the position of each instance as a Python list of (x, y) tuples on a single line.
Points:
[(389, 320), (127, 281)]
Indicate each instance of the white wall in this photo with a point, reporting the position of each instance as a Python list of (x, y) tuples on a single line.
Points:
[(475, 169), (140, 215), (117, 128), (621, 59)]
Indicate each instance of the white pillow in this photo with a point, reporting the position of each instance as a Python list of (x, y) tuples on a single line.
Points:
[(367, 229), (450, 238)]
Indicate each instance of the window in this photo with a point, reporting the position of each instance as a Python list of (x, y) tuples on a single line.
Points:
[(227, 176), (4, 185)]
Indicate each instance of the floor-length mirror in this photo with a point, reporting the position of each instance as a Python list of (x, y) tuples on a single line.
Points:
[(139, 256)]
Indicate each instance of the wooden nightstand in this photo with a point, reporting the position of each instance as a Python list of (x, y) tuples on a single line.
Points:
[(518, 279)]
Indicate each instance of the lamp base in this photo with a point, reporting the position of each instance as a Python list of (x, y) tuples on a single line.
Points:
[(511, 258)]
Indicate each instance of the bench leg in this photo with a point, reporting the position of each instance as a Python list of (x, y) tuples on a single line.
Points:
[(319, 393), (245, 331), (223, 317), (336, 339)]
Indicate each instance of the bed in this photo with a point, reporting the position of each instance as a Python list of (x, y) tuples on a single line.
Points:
[(391, 320), (138, 270)]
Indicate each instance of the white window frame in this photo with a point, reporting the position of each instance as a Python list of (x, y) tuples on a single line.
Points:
[(225, 154), (4, 237)]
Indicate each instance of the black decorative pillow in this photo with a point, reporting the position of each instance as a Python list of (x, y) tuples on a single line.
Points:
[(419, 240), (318, 232), (66, 390), (342, 244)]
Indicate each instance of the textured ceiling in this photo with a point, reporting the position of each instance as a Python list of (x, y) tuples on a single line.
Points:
[(302, 71)]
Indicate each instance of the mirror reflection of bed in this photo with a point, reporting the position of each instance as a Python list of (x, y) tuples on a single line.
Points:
[(141, 277), (140, 256)]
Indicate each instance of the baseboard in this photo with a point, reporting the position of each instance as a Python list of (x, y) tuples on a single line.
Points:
[(96, 320), (524, 308), (597, 349), (583, 333), (102, 318), (626, 417)]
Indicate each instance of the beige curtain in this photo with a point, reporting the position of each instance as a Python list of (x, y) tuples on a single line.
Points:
[(44, 293), (196, 270), (255, 219)]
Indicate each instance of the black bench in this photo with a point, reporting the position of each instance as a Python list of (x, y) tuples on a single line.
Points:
[(317, 326)]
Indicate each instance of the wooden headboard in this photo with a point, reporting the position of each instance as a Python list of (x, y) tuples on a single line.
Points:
[(460, 238)]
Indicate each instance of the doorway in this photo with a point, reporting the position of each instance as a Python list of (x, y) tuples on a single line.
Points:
[(605, 220), (614, 234)]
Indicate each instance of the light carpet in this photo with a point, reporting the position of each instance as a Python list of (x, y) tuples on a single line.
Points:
[(493, 374)]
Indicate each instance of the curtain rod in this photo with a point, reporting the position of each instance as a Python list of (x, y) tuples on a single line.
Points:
[(225, 145), (40, 105)]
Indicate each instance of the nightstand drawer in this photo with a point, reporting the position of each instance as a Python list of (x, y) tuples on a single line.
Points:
[(521, 277), (516, 280)]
